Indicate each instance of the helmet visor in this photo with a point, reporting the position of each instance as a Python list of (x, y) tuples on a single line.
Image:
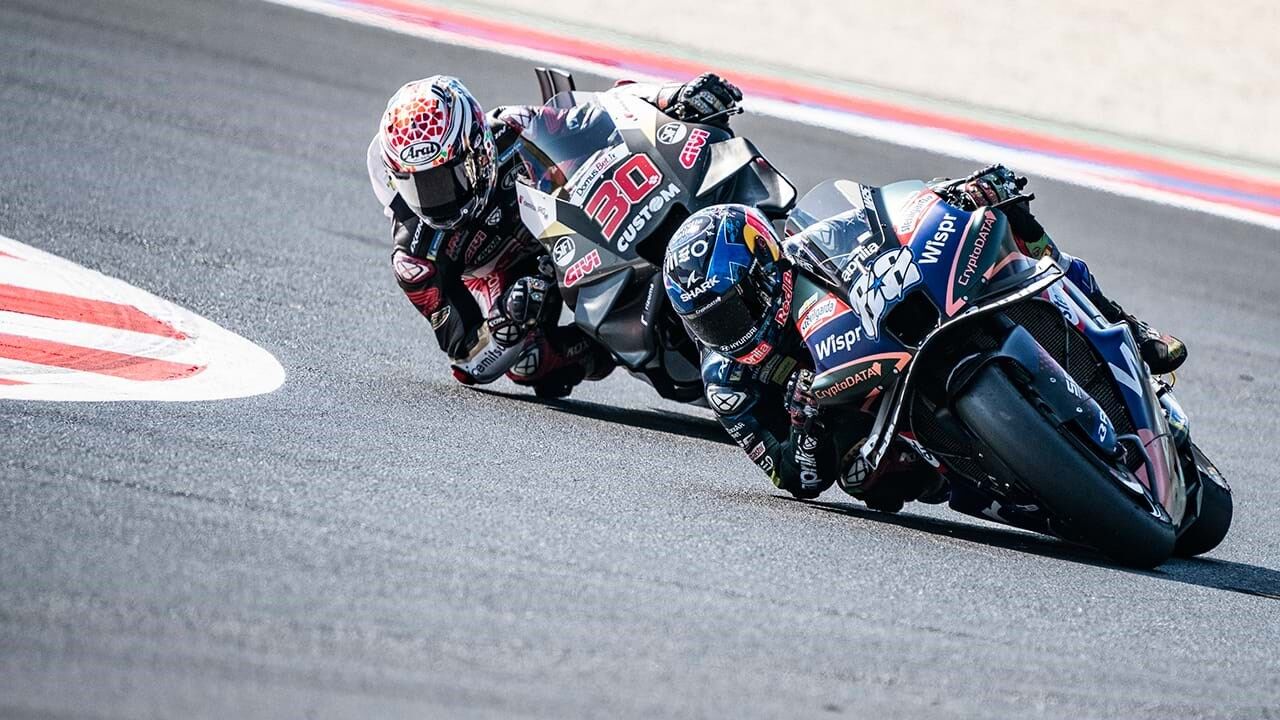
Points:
[(442, 195), (728, 324)]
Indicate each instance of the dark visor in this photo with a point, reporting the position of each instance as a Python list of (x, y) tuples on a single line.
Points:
[(730, 323), (439, 192)]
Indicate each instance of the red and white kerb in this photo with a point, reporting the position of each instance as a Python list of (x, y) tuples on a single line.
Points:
[(69, 333)]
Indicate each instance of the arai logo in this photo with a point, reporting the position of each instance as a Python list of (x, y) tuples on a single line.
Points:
[(420, 152), (562, 251), (672, 133)]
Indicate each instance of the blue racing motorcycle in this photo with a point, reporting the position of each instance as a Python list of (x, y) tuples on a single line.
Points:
[(994, 368)]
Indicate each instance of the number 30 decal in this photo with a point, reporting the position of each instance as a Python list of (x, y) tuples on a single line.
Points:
[(632, 182)]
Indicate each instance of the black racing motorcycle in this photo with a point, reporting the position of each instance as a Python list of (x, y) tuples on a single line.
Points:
[(609, 179)]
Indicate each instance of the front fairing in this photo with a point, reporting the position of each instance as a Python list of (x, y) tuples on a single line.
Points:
[(898, 262), (1161, 474)]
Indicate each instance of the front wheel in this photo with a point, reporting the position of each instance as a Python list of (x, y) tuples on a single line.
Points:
[(1216, 509), (1073, 486)]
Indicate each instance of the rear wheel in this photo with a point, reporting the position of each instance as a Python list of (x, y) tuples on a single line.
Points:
[(1216, 509), (1073, 486)]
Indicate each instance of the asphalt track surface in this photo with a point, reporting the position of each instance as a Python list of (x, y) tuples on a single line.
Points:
[(374, 540)]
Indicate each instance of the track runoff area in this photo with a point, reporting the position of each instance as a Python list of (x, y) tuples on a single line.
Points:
[(1234, 194)]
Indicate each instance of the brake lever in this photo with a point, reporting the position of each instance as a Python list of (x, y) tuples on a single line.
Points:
[(1013, 200), (729, 111), (969, 178)]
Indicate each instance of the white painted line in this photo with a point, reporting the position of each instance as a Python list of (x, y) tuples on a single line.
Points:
[(1104, 179), (68, 333)]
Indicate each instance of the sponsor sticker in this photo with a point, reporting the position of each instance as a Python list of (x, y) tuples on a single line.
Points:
[(645, 214), (693, 147), (934, 246), (819, 313), (509, 180), (589, 174), (582, 268), (419, 153), (699, 289), (439, 318), (861, 377), (412, 270), (909, 215), (756, 356), (975, 253), (696, 249), (537, 210), (725, 402), (563, 251), (837, 342), (672, 133)]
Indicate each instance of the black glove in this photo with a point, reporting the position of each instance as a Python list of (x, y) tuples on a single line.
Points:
[(529, 301), (996, 185), (706, 95), (802, 406)]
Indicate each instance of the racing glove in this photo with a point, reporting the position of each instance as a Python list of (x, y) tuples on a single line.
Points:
[(529, 301), (996, 185), (705, 96), (806, 435), (802, 406)]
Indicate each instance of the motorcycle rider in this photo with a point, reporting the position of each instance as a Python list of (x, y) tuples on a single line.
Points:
[(445, 173), (731, 283)]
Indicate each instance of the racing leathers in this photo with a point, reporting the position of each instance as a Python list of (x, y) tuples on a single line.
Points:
[(769, 411), (484, 286)]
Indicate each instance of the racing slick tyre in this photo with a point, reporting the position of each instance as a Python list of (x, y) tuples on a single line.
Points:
[(1075, 487), (1216, 508)]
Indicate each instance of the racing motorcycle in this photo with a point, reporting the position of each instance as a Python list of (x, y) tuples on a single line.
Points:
[(996, 370), (609, 179)]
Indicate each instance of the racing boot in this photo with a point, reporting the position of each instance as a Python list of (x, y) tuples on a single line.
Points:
[(903, 476), (559, 360)]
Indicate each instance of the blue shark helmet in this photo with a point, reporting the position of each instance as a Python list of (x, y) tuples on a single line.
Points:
[(726, 279)]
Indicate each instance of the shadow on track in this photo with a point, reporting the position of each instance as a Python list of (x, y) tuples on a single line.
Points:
[(664, 421), (1204, 572)]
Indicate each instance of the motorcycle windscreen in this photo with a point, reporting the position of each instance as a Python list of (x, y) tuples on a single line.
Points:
[(568, 144)]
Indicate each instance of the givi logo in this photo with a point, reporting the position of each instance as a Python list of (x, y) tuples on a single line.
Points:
[(69, 333)]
